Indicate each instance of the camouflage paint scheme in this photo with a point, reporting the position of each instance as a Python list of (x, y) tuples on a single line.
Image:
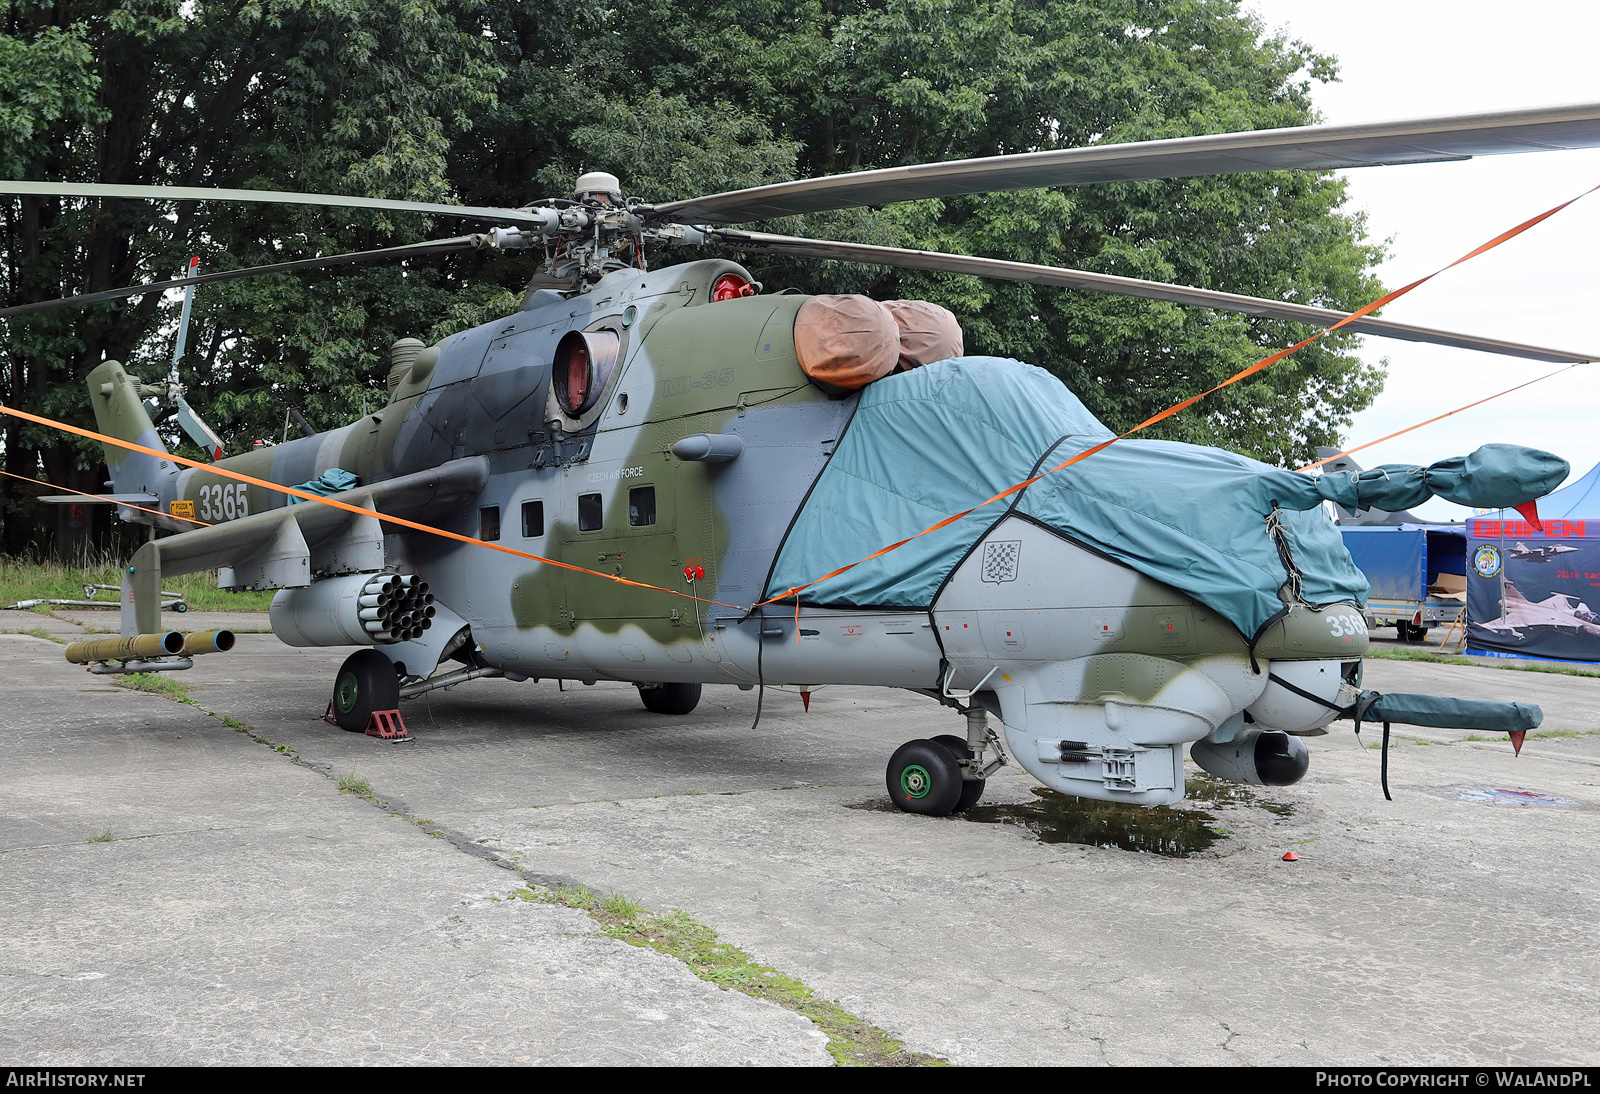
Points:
[(1072, 649)]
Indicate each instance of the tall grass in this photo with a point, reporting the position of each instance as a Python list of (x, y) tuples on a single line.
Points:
[(23, 579)]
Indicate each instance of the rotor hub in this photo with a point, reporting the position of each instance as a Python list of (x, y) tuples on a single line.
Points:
[(596, 232)]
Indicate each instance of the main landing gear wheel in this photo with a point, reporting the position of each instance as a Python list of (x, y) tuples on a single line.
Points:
[(971, 789), (670, 698), (366, 682), (924, 777)]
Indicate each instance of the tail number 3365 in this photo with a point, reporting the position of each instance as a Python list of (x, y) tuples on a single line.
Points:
[(223, 501), (1351, 624)]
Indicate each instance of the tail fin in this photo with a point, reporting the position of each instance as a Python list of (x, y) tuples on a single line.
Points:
[(120, 413)]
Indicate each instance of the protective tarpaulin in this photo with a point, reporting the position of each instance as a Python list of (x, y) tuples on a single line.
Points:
[(334, 480), (925, 444), (845, 342), (1495, 476), (1443, 712)]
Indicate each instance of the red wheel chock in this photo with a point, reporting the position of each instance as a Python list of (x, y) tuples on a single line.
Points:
[(388, 725)]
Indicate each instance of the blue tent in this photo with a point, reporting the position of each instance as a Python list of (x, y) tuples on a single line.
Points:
[(1530, 591), (1576, 501)]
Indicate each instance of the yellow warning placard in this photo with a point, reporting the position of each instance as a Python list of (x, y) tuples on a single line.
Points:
[(183, 509)]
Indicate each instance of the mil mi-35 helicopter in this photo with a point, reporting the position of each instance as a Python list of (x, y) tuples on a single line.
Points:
[(682, 432)]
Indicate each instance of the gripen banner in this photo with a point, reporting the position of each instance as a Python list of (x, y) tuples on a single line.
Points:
[(1531, 593)]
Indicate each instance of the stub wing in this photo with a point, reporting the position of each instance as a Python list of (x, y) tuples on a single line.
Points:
[(284, 548)]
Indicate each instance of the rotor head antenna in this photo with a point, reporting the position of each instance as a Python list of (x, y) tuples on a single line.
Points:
[(598, 186)]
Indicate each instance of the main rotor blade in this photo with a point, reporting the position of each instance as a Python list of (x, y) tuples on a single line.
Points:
[(277, 197), (438, 246), (1311, 147), (1130, 286)]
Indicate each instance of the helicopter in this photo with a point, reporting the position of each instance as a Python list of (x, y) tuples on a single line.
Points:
[(670, 477)]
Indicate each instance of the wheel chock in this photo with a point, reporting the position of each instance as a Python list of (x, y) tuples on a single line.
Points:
[(387, 725), (327, 715)]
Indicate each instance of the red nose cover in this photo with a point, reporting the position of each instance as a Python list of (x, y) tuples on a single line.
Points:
[(1530, 509)]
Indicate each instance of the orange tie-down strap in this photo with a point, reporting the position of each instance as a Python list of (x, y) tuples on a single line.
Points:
[(101, 498), (1266, 362), (1438, 417), (346, 506), (797, 589)]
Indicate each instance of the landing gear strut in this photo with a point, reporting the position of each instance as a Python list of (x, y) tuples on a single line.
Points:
[(944, 775)]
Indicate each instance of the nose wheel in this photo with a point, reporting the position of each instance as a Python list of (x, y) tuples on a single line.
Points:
[(971, 789), (924, 777), (669, 698)]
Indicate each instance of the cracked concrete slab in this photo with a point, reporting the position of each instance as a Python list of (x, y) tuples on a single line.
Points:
[(1428, 930), (1437, 928), (18, 622), (247, 913)]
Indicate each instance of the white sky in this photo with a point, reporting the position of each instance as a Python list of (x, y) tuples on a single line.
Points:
[(1416, 58)]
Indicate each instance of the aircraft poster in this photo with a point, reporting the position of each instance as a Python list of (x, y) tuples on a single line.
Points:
[(1533, 594)]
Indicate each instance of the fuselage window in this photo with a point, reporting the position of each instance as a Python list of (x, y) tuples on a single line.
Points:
[(532, 519), (489, 523), (589, 519), (642, 506)]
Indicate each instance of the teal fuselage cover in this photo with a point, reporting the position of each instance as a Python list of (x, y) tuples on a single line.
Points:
[(929, 443)]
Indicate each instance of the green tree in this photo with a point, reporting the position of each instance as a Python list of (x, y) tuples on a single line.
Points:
[(890, 82), (500, 102), (335, 96)]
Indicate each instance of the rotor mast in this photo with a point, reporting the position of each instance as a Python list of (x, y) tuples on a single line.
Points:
[(595, 232)]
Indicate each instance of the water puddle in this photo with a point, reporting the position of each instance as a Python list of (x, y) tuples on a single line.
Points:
[(1215, 791), (1161, 829), (1064, 818), (1513, 798)]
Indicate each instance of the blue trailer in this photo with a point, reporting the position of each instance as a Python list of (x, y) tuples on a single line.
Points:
[(1418, 574)]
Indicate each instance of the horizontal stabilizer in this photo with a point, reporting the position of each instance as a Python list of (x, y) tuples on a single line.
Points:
[(99, 499)]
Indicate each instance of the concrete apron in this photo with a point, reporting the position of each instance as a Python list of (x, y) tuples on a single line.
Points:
[(1439, 928), (247, 913)]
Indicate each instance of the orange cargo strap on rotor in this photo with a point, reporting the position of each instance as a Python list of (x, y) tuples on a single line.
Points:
[(305, 495), (1265, 362)]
